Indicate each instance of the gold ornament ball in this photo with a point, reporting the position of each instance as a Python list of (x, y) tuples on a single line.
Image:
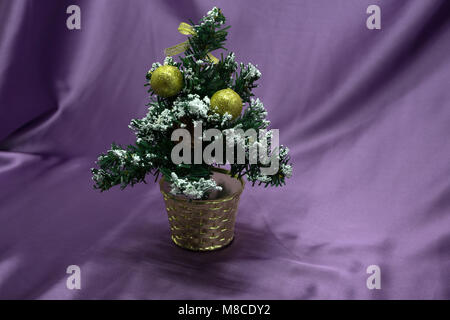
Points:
[(166, 81), (226, 100)]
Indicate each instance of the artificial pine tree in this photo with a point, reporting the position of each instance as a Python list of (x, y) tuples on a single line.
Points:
[(198, 89)]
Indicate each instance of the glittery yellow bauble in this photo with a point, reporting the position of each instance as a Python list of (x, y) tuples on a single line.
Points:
[(166, 81), (226, 100)]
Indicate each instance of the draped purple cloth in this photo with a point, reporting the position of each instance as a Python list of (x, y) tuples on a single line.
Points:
[(366, 114)]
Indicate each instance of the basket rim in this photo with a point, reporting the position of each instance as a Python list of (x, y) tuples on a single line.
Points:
[(211, 201)]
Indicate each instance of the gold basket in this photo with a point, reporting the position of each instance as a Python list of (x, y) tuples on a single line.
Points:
[(204, 225)]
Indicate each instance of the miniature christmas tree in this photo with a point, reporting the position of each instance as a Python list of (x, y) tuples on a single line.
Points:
[(198, 91)]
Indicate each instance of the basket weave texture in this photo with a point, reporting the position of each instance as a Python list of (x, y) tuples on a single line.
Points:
[(202, 225)]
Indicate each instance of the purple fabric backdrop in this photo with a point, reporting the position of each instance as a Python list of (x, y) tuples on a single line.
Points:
[(365, 112)]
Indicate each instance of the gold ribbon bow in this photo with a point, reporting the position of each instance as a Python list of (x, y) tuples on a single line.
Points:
[(188, 30)]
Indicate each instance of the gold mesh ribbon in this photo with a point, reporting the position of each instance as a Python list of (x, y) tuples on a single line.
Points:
[(187, 30)]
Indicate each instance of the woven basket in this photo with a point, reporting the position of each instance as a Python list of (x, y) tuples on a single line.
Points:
[(204, 225)]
